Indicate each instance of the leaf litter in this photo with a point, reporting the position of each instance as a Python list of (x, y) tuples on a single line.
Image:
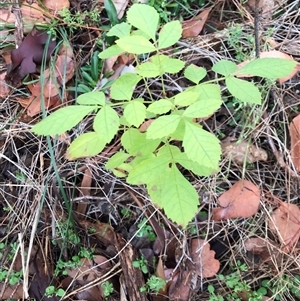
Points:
[(182, 287)]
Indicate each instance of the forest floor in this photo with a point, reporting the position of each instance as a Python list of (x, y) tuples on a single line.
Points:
[(73, 230)]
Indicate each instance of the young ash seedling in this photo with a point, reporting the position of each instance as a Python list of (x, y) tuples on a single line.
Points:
[(174, 137)]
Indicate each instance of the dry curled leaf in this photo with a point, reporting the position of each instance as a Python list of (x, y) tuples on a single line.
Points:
[(285, 222), (241, 200), (193, 27), (205, 263), (28, 56), (258, 246), (295, 141), (242, 151)]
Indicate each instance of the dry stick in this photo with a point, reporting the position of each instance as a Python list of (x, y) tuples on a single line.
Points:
[(256, 28), (276, 153)]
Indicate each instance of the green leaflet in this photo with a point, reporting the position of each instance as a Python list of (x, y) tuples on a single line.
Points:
[(106, 123), (243, 90), (91, 98), (136, 143), (62, 120), (116, 160), (160, 106), (224, 67), (201, 146), (86, 145), (169, 34), (110, 52), (268, 67), (135, 44), (135, 112), (145, 18), (194, 73), (123, 87), (147, 171), (178, 197), (119, 30), (163, 126)]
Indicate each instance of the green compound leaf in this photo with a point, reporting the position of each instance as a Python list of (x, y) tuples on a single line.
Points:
[(148, 69), (169, 34), (147, 170), (201, 146), (135, 112), (110, 52), (193, 166), (145, 18), (135, 45), (166, 64), (185, 98), (120, 30), (106, 123), (268, 67), (86, 145), (161, 106), (123, 87), (91, 98), (243, 90), (202, 108), (194, 73), (116, 160), (179, 198), (136, 143), (163, 126), (208, 91), (224, 67), (62, 120)]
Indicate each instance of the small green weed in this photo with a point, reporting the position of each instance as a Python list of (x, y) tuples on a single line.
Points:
[(283, 285), (236, 286), (141, 264), (240, 44), (66, 232), (152, 157), (154, 284), (90, 75), (62, 267), (145, 230), (107, 288), (53, 291)]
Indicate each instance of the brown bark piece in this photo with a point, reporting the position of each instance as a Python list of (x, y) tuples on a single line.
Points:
[(133, 277)]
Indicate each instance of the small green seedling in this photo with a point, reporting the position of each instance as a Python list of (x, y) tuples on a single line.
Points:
[(174, 137), (145, 230), (53, 291), (154, 284), (107, 288), (141, 264)]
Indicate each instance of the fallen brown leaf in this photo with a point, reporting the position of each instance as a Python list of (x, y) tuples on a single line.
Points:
[(180, 287), (120, 6), (241, 200), (242, 151), (193, 27), (285, 222), (258, 246), (52, 81), (4, 88), (295, 141), (28, 56), (205, 263), (56, 5)]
